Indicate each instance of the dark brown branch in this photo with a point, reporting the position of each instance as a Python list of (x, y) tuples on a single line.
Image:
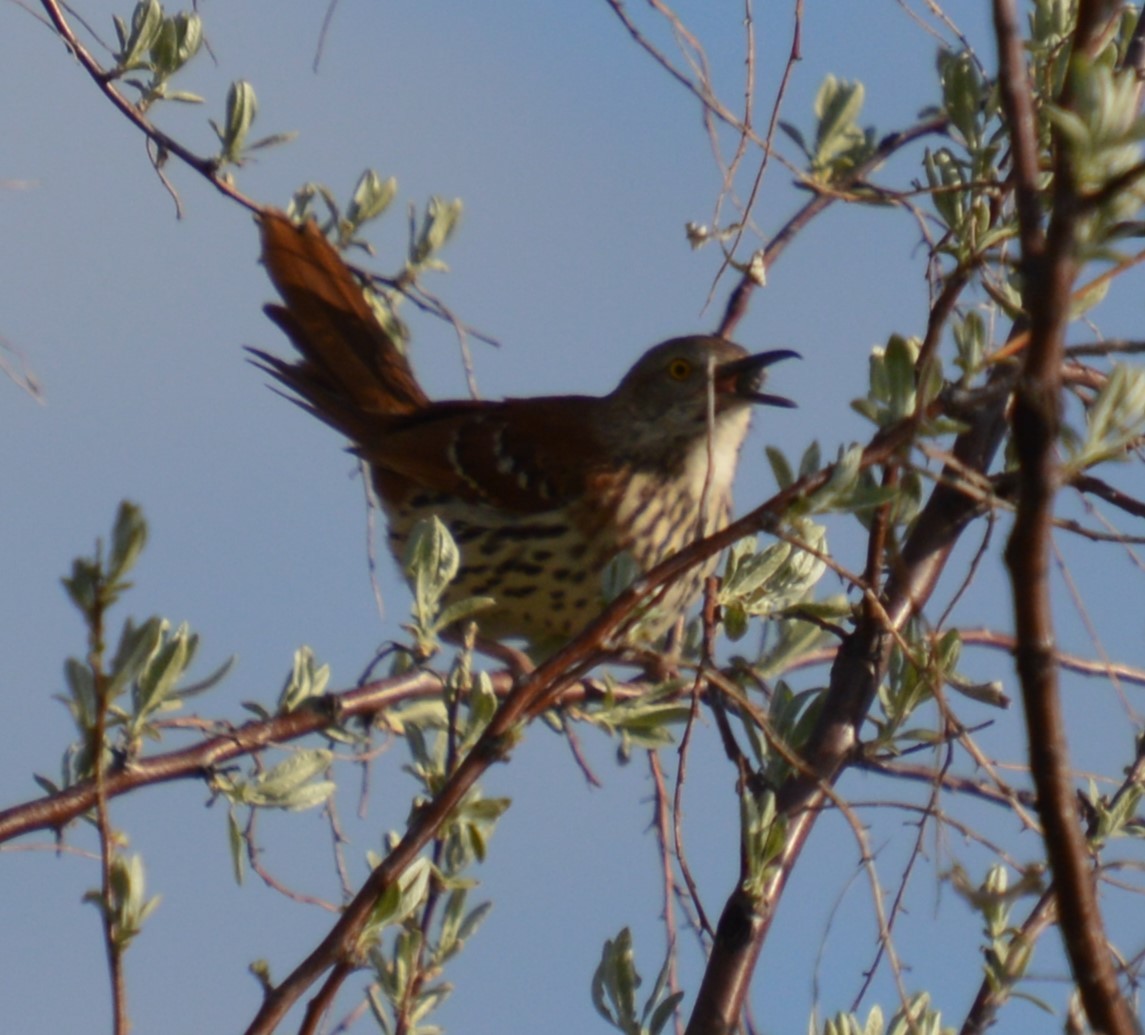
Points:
[(1050, 267), (1109, 347), (1096, 487), (1018, 105), (855, 674), (317, 1008), (55, 811)]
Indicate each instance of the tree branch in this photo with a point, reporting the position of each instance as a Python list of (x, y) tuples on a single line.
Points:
[(1049, 264), (208, 168)]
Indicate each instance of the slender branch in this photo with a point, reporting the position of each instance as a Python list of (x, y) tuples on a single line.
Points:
[(112, 943), (738, 300), (702, 91), (55, 811), (1096, 487), (254, 857), (794, 55), (1018, 104), (317, 1008), (930, 809), (1083, 666), (952, 783), (662, 824), (208, 168)]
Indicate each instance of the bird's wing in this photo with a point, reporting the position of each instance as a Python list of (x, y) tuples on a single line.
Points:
[(520, 455)]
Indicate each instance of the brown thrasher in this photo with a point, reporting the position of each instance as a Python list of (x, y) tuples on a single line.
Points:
[(540, 494)]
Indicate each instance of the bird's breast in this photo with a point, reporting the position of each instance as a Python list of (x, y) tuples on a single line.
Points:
[(545, 569)]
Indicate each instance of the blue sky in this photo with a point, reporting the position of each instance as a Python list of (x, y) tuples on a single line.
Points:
[(579, 163)]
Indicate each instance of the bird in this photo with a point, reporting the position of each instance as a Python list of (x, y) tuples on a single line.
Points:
[(540, 494)]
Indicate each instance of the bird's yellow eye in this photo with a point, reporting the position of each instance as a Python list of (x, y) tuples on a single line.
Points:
[(679, 370)]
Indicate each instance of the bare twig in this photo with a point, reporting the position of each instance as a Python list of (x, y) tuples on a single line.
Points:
[(738, 300), (208, 168), (112, 940), (662, 825)]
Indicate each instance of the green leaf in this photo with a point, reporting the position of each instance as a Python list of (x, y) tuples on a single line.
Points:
[(840, 144), (431, 562), (242, 108), (81, 686), (307, 680), (796, 137), (963, 94), (437, 226), (372, 196), (763, 832), (126, 905), (83, 585), (401, 898), (183, 97), (136, 648), (752, 570), (899, 360), (780, 468), (618, 574), (811, 460), (177, 41), (615, 981), (128, 537), (288, 785), (664, 1013), (155, 685), (237, 846), (473, 920), (1115, 420), (970, 340), (837, 105), (461, 609), (146, 24)]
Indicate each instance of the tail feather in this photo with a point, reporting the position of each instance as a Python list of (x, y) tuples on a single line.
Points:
[(350, 369)]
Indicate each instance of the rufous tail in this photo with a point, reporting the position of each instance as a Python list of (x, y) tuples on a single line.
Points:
[(351, 371)]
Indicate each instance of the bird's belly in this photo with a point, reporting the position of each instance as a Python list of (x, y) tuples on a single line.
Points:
[(545, 571)]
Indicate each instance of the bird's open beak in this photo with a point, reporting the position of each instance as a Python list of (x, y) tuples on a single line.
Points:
[(744, 377)]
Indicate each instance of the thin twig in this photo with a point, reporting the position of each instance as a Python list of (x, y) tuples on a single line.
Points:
[(661, 824), (208, 168)]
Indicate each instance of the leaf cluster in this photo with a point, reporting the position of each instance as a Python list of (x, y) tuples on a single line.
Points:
[(115, 701), (126, 906), (918, 1017), (614, 986), (839, 144)]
